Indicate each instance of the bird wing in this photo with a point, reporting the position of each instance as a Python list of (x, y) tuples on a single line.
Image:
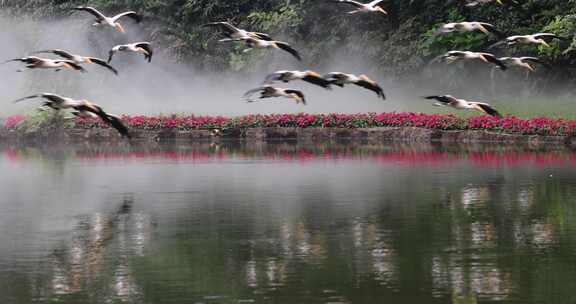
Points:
[(315, 78), (536, 60), (58, 52), (486, 108), (549, 35), (372, 86), (499, 43), (131, 14), (148, 47), (297, 93), (224, 26), (286, 47), (73, 64), (375, 2), (251, 92), (92, 11), (103, 63), (445, 99), (111, 120), (270, 78), (492, 59), (354, 3), (262, 36), (110, 55), (52, 97)]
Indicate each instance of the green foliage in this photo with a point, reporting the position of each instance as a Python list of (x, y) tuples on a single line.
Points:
[(401, 42)]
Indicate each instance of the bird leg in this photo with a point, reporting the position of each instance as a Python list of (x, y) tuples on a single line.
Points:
[(247, 50), (228, 40), (353, 12)]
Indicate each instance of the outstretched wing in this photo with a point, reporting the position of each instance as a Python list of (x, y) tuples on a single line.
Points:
[(350, 2), (58, 52), (103, 63), (286, 47), (225, 26), (112, 120), (131, 14), (251, 92), (148, 48), (315, 78), (549, 36), (486, 108), (261, 36), (73, 64), (492, 59), (92, 11), (51, 97), (497, 44), (445, 99), (299, 94), (372, 86), (271, 78), (536, 60)]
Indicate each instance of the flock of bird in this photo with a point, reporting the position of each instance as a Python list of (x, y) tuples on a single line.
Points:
[(256, 40)]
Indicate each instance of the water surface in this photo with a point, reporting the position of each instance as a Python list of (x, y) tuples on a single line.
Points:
[(287, 223)]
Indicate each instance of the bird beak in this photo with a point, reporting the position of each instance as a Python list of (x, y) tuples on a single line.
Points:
[(499, 2), (484, 30), (545, 43), (119, 28), (380, 9), (143, 51), (88, 60), (483, 58), (530, 68), (68, 66)]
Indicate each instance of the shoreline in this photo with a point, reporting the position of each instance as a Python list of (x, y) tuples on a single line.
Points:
[(263, 134)]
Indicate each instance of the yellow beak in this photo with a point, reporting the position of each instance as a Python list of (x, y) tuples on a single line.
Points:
[(483, 58), (380, 9), (483, 30), (544, 43)]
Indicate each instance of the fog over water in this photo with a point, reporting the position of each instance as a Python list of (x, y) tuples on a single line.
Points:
[(165, 85)]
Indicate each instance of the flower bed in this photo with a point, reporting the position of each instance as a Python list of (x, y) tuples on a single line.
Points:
[(510, 124)]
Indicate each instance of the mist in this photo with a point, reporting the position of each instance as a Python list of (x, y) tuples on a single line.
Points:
[(168, 86)]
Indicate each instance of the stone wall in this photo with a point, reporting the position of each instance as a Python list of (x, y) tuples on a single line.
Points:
[(398, 134)]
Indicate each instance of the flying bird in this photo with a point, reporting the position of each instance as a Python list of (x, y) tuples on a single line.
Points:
[(538, 38), (341, 79), (523, 62), (101, 19), (79, 59), (463, 27), (471, 3), (370, 7), (83, 107), (254, 43), (233, 33), (462, 104), (269, 92), (308, 76), (33, 62), (137, 47), (467, 55)]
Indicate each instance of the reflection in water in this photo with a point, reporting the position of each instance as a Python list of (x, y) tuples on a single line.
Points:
[(287, 223)]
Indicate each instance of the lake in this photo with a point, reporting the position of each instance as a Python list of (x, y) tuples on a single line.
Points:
[(340, 222)]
